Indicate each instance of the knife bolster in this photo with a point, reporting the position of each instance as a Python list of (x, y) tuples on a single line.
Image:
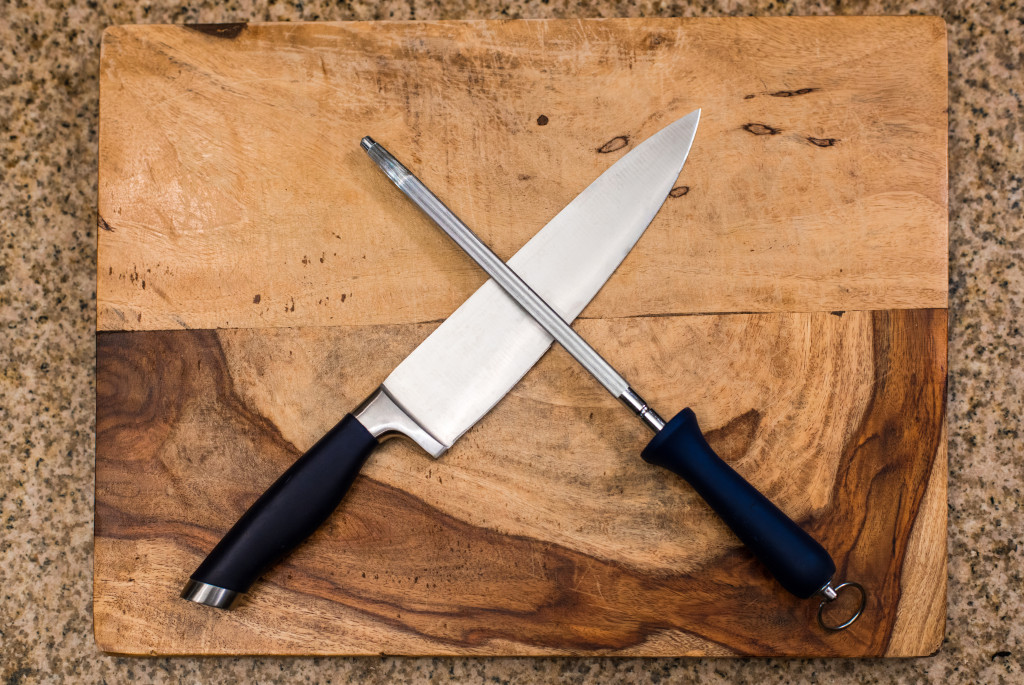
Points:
[(383, 417)]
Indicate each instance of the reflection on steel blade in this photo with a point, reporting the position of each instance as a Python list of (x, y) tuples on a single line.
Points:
[(468, 364)]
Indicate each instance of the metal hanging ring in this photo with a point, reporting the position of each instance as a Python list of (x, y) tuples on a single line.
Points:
[(848, 622)]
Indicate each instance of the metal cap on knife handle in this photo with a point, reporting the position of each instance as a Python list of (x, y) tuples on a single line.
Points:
[(210, 595)]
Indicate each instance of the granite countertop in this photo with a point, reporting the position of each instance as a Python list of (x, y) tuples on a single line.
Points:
[(50, 60)]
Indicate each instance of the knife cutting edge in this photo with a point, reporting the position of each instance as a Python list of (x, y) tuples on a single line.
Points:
[(795, 559), (461, 370)]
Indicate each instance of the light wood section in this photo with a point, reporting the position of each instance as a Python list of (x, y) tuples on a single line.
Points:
[(551, 539), (233, 192), (921, 619)]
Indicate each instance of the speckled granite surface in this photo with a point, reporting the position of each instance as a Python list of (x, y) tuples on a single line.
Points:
[(49, 56)]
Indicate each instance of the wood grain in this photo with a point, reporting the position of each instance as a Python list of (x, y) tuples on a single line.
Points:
[(257, 277), (557, 541), (233, 192)]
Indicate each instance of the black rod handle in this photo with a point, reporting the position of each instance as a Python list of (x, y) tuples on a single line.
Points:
[(285, 515), (796, 559)]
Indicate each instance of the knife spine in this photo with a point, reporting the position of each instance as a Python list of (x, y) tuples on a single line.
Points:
[(384, 417)]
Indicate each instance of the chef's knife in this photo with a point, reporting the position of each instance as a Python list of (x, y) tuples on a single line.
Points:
[(461, 370), (797, 560)]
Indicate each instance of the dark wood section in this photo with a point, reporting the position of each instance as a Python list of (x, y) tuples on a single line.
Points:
[(182, 450)]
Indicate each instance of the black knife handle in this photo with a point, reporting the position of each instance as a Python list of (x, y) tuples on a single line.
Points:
[(796, 559), (285, 515)]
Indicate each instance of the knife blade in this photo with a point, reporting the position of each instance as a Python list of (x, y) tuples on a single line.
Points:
[(461, 370), (800, 564)]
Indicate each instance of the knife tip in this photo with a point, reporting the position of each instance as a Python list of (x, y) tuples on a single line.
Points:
[(367, 142)]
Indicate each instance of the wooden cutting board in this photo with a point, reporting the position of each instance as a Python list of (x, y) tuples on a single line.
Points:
[(257, 277)]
